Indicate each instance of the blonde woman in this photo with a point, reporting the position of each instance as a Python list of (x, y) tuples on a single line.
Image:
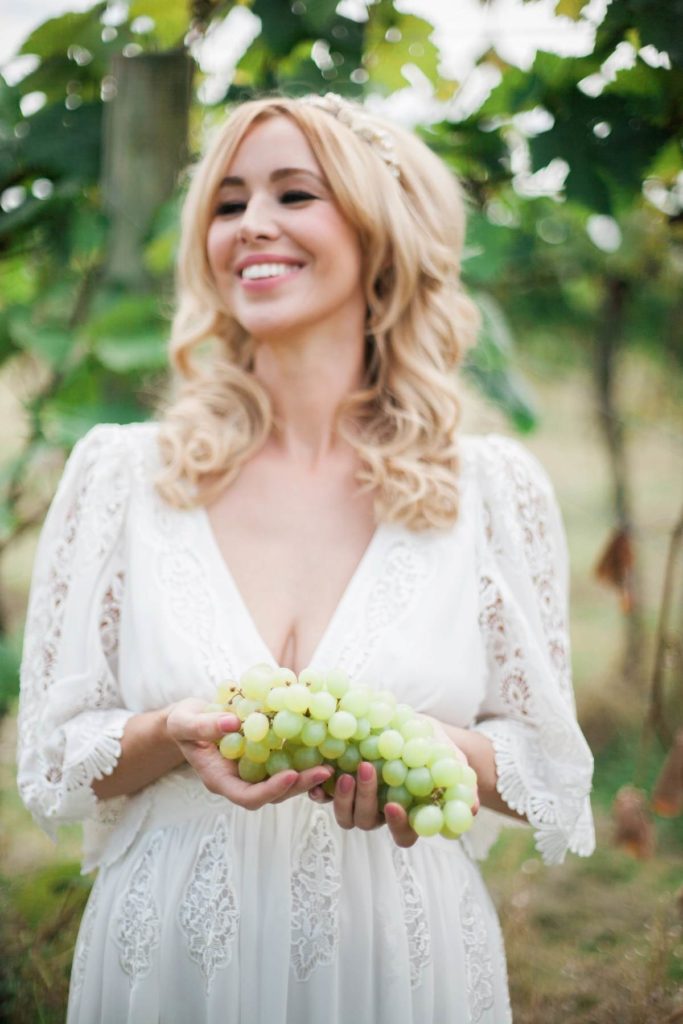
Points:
[(304, 500)]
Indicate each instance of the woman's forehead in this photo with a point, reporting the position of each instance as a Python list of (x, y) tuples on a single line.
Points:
[(271, 143)]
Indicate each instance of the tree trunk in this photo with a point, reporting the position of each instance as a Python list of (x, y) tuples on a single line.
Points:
[(145, 147), (609, 343)]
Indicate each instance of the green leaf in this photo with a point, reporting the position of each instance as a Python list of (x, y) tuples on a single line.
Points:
[(129, 335), (10, 658), (171, 19), (281, 30), (61, 144), (47, 338), (490, 365), (385, 57), (58, 34)]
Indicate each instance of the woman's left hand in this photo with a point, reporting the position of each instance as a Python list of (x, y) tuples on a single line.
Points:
[(355, 806)]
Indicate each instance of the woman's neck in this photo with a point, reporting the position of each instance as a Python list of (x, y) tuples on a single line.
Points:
[(307, 383)]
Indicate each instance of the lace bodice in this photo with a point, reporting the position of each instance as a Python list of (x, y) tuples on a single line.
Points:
[(130, 609)]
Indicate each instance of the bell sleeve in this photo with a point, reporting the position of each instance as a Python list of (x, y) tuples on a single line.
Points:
[(544, 766), (71, 715)]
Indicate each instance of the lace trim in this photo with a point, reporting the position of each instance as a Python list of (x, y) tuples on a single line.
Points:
[(414, 917), (315, 886), (138, 928), (404, 570), (83, 944), (53, 782), (478, 963), (543, 764), (209, 913)]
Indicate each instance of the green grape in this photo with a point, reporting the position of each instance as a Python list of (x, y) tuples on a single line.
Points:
[(251, 772), (332, 748), (297, 698), (399, 795), (362, 729), (369, 748), (416, 752), (460, 792), (283, 677), (306, 757), (394, 772), (312, 679), (419, 781), (379, 714), (275, 701), (356, 700), (469, 776), (243, 707), (337, 682), (258, 752), (313, 732), (256, 726), (446, 771), (415, 727), (225, 692), (426, 820), (278, 761), (441, 750), (210, 708), (231, 745), (390, 744), (287, 724), (342, 725), (350, 759), (387, 697), (257, 682), (330, 784), (322, 705), (274, 741), (402, 714), (457, 816)]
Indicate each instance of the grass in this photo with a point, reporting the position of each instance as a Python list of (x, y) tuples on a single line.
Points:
[(595, 941)]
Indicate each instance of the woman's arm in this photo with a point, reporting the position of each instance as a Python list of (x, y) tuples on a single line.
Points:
[(478, 749), (147, 752), (155, 742)]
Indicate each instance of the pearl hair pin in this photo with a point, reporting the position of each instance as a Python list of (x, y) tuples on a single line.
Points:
[(354, 119)]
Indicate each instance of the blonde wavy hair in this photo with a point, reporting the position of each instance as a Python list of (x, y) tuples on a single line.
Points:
[(403, 421)]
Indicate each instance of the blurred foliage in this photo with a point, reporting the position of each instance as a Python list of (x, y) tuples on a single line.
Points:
[(99, 352)]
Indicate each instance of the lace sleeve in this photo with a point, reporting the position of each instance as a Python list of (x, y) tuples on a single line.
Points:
[(543, 762), (70, 714)]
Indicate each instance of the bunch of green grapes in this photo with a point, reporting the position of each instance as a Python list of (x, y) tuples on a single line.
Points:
[(321, 718)]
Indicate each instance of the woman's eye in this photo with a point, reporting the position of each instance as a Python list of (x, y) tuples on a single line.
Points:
[(226, 209), (294, 196)]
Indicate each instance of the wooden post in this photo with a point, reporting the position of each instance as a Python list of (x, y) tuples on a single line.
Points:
[(144, 149)]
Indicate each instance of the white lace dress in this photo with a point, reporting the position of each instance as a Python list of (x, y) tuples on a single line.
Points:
[(205, 912)]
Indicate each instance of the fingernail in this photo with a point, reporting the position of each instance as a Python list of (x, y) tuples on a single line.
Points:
[(227, 722), (366, 772), (391, 811), (345, 784), (323, 775)]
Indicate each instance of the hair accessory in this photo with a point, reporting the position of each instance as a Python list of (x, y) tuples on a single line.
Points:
[(355, 119)]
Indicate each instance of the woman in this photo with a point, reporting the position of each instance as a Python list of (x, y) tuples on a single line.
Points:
[(305, 500)]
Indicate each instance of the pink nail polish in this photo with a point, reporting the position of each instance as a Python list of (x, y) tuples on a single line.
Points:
[(366, 772), (345, 784), (227, 723)]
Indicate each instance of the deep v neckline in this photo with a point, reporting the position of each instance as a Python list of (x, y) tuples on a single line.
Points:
[(325, 641)]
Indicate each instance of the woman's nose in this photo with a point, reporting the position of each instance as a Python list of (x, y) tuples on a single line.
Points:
[(257, 221)]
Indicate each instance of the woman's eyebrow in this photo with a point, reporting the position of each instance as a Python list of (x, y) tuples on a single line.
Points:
[(277, 175)]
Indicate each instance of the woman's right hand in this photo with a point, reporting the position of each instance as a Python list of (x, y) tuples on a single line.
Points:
[(196, 732)]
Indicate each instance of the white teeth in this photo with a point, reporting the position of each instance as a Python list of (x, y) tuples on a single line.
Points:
[(257, 271)]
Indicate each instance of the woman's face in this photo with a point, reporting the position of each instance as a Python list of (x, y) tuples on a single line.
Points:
[(284, 259)]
